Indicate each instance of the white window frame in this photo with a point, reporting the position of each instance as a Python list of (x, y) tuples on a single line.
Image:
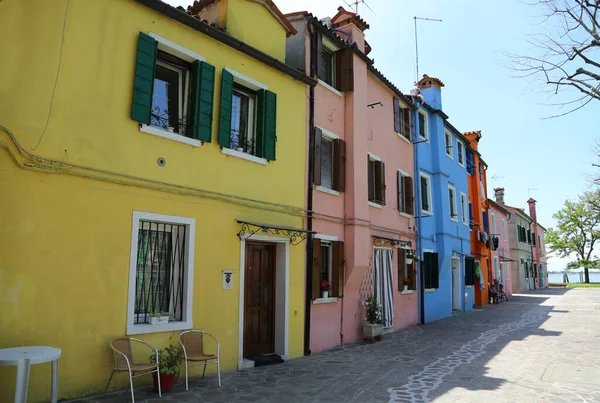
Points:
[(186, 322), (426, 120), (449, 150), (493, 224), (429, 195), (461, 146), (464, 202), (331, 47), (331, 137), (451, 201), (329, 239), (404, 175)]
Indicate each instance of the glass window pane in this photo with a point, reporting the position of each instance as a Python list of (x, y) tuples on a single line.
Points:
[(327, 163), (166, 97)]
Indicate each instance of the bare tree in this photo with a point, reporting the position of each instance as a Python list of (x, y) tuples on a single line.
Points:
[(569, 51)]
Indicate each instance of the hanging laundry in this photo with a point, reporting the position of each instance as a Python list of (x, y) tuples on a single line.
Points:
[(496, 242), (477, 269)]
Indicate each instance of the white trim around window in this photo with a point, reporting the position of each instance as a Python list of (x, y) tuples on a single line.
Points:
[(330, 88), (175, 49), (328, 134), (326, 237), (429, 196), (452, 200), (426, 120), (464, 203), (460, 146), (186, 322), (144, 128), (246, 81), (243, 155), (373, 157), (449, 149)]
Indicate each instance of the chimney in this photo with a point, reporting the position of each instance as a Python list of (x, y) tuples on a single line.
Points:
[(499, 193), (431, 88), (352, 27), (532, 212)]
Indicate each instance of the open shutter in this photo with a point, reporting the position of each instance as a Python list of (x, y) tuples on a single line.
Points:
[(406, 122), (316, 269), (435, 271), (425, 267), (410, 270), (344, 70), (401, 263), (225, 108), (143, 82), (469, 271), (317, 156), (408, 195), (397, 123), (337, 269), (400, 194), (201, 101), (266, 127), (380, 182), (319, 50), (339, 165)]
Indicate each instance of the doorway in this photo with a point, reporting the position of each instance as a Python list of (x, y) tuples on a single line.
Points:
[(259, 300), (456, 299), (383, 284)]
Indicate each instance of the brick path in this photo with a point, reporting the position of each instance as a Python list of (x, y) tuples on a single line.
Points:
[(543, 346)]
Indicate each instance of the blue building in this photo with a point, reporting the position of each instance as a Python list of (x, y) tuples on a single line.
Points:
[(441, 199)]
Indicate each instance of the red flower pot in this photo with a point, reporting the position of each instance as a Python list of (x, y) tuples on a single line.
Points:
[(166, 382)]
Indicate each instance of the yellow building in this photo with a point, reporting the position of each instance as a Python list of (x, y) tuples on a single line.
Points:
[(137, 143)]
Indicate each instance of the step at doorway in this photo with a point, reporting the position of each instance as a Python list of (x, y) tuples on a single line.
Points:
[(266, 359)]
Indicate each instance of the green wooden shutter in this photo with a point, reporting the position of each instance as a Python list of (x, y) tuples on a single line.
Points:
[(225, 108), (201, 101), (143, 83), (266, 126)]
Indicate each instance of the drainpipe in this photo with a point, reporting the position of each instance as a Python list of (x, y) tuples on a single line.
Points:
[(533, 275), (418, 245), (309, 199)]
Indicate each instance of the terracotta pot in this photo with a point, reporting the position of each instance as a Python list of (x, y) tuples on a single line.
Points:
[(166, 382)]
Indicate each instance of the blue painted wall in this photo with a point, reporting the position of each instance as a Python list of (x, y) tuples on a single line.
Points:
[(438, 232)]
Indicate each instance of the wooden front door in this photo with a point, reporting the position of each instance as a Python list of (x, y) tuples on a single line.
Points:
[(259, 295)]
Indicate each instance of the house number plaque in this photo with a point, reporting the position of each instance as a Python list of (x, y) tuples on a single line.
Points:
[(228, 279)]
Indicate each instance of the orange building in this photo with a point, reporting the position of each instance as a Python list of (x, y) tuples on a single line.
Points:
[(478, 210)]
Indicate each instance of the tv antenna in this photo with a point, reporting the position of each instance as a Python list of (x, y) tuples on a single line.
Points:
[(495, 178), (529, 190), (416, 42), (356, 3)]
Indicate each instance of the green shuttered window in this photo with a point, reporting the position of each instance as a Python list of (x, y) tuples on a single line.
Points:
[(172, 94)]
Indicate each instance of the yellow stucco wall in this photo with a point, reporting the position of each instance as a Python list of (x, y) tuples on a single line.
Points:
[(65, 239)]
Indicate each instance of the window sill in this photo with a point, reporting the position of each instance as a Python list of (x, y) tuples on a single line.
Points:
[(425, 139), (324, 300), (450, 156), (430, 289), (169, 135), (407, 292), (244, 156), (330, 88), (327, 190), (468, 286), (454, 219), (400, 213), (427, 212), (376, 205), (403, 138), (147, 328)]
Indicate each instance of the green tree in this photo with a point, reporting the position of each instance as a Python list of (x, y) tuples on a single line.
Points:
[(577, 231)]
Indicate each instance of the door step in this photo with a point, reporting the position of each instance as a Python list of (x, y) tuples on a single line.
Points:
[(266, 359)]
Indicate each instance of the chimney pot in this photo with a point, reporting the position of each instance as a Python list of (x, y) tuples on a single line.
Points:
[(499, 194)]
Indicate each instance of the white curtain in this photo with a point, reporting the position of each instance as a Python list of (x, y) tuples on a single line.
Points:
[(383, 285)]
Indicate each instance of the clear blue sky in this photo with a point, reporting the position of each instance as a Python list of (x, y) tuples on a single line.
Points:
[(465, 51)]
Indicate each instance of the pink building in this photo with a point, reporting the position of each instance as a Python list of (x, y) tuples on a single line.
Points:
[(362, 183), (501, 262)]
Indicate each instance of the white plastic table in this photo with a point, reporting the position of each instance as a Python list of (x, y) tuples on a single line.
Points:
[(23, 358)]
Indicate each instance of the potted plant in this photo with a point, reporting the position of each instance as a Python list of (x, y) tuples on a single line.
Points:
[(169, 363), (410, 255), (374, 326), (406, 283), (325, 287), (159, 318)]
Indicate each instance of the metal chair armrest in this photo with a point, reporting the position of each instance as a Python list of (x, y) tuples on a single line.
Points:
[(150, 346)]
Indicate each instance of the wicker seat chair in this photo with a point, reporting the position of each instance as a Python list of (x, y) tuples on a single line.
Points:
[(192, 343), (123, 362)]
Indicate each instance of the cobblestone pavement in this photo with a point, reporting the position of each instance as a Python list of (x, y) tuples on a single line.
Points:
[(543, 346)]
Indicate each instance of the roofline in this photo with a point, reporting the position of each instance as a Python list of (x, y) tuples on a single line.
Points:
[(500, 207), (520, 212), (215, 33)]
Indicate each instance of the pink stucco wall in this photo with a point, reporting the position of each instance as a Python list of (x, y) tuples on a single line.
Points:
[(503, 246), (348, 216)]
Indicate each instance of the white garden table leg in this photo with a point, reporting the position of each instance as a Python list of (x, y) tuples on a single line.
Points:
[(54, 381), (22, 381)]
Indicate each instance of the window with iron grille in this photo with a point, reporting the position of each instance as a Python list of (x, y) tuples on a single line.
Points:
[(161, 264), (243, 118)]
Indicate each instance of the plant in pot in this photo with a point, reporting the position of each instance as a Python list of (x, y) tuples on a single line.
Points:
[(406, 283), (169, 363), (374, 326), (325, 287), (410, 255), (159, 318)]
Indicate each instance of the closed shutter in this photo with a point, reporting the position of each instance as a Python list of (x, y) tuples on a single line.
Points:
[(339, 165), (201, 101), (469, 271), (485, 221), (435, 271), (400, 194), (316, 269), (337, 269), (344, 70), (380, 182), (406, 123), (143, 82), (317, 156), (401, 264), (225, 108), (397, 123), (266, 125), (408, 195)]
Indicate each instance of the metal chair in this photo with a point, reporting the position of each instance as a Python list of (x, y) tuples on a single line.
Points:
[(124, 362), (192, 343)]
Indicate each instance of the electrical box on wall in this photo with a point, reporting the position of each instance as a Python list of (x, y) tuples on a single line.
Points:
[(228, 279)]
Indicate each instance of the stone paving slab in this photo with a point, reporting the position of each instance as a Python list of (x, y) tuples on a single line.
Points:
[(542, 346)]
